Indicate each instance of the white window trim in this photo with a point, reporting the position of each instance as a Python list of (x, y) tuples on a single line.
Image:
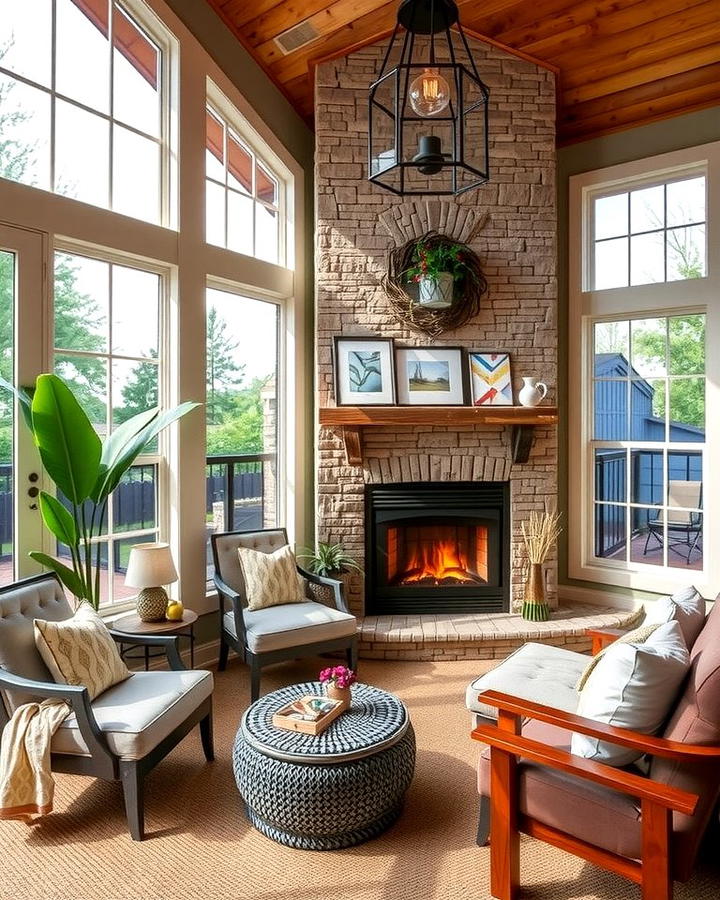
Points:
[(694, 295), (63, 220)]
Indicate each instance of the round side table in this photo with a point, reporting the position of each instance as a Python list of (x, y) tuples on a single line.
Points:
[(131, 624), (331, 790)]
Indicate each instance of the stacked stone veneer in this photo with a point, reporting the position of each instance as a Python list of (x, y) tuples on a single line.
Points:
[(511, 224)]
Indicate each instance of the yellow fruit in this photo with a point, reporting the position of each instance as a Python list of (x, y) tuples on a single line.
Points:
[(174, 611)]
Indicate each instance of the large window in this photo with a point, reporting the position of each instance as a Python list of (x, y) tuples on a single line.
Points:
[(108, 349), (98, 285), (242, 195), (644, 502), (83, 104)]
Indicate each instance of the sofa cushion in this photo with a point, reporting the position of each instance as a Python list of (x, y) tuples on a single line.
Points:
[(598, 815), (696, 720), (535, 672), (637, 636), (138, 713), (686, 607), (634, 686), (271, 579), (80, 650), (292, 625)]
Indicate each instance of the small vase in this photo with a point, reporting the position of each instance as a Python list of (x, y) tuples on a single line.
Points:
[(533, 392), (436, 292), (337, 693), (535, 607)]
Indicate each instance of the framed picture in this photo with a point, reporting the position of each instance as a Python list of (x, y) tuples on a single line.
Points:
[(490, 379), (430, 376), (364, 374)]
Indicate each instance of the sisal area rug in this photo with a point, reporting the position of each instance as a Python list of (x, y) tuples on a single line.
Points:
[(200, 846)]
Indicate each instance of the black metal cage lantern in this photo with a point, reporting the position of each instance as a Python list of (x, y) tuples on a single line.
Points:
[(428, 122)]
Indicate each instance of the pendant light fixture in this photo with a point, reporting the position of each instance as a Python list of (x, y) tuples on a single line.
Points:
[(428, 122)]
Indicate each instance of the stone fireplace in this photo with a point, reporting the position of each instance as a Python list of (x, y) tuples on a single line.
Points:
[(511, 224)]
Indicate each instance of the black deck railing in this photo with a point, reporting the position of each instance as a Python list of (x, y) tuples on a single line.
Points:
[(237, 477)]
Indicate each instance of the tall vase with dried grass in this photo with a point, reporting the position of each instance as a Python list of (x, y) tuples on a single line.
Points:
[(539, 533)]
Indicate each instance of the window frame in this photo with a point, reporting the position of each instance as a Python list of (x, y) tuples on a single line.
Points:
[(193, 264), (587, 306)]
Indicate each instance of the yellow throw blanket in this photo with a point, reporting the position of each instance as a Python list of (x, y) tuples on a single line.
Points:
[(26, 783)]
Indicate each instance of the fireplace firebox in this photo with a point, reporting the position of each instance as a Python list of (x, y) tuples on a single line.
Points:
[(437, 548)]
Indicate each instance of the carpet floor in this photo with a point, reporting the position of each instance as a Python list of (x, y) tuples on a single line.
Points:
[(200, 845)]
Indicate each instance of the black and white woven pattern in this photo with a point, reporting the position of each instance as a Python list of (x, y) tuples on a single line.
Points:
[(376, 719), (346, 800)]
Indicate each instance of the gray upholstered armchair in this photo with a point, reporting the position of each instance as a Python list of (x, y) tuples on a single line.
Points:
[(125, 731), (290, 631)]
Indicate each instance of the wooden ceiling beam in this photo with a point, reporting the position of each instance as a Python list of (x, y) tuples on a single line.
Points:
[(240, 12), (693, 59), (654, 52), (610, 44)]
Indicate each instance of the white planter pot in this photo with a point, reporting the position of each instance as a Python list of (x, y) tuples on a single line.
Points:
[(436, 293)]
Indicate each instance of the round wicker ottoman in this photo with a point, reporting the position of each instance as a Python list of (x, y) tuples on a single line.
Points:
[(326, 791)]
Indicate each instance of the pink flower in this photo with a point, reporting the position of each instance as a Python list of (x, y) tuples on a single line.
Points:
[(341, 676)]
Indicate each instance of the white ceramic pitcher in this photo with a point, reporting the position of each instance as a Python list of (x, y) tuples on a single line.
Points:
[(533, 392)]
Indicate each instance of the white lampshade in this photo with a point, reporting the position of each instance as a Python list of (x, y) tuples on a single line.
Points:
[(150, 565)]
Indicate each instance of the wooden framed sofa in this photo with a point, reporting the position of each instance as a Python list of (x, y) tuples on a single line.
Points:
[(129, 728), (645, 827)]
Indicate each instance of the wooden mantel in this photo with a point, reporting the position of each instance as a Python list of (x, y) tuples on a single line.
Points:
[(353, 419)]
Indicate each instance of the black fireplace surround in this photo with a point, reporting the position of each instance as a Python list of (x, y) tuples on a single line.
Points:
[(437, 548)]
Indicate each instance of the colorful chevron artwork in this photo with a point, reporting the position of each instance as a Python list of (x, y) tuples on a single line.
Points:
[(491, 379)]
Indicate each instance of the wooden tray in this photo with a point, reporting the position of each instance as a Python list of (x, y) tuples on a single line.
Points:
[(281, 720)]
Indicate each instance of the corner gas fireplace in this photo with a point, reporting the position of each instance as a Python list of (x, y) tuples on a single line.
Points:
[(437, 548)]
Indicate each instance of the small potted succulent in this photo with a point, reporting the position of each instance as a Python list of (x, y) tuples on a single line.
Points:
[(436, 267), (337, 681)]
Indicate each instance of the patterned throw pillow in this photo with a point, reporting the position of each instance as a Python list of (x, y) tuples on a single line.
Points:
[(271, 579), (637, 636), (81, 651)]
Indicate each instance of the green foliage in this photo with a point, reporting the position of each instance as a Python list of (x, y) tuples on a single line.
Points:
[(328, 560), (86, 472), (433, 259), (223, 374)]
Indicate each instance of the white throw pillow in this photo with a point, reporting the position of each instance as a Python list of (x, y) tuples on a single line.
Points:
[(686, 607), (634, 686)]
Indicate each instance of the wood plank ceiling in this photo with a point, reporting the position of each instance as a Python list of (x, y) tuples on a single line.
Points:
[(621, 63)]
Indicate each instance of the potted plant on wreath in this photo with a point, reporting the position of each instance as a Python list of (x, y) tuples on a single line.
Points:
[(436, 267)]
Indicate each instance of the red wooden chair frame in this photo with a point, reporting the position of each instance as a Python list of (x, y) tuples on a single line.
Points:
[(658, 801)]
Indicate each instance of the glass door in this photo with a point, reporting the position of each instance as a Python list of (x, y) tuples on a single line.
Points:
[(22, 356)]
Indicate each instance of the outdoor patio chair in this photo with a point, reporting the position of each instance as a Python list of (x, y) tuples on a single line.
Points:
[(124, 732), (290, 631), (684, 526)]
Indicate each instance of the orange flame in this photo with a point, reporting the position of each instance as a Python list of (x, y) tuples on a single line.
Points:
[(439, 560)]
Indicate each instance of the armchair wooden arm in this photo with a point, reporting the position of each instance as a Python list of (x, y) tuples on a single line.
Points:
[(333, 583), (226, 593), (634, 740), (169, 642), (658, 800), (78, 698)]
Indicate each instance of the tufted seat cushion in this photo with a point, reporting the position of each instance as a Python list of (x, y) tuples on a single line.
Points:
[(536, 672), (293, 625), (138, 713)]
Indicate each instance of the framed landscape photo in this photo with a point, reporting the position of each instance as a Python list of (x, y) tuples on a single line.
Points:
[(430, 376), (364, 374), (490, 378)]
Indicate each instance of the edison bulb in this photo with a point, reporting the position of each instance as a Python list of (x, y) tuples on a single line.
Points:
[(429, 93)]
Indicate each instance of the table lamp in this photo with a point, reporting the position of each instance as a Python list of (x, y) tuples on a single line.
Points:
[(149, 567)]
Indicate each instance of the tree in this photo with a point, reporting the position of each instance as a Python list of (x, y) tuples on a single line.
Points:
[(242, 429), (140, 391), (224, 375)]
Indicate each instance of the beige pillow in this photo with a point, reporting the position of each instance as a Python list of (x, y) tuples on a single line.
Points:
[(271, 579), (81, 651), (637, 636)]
